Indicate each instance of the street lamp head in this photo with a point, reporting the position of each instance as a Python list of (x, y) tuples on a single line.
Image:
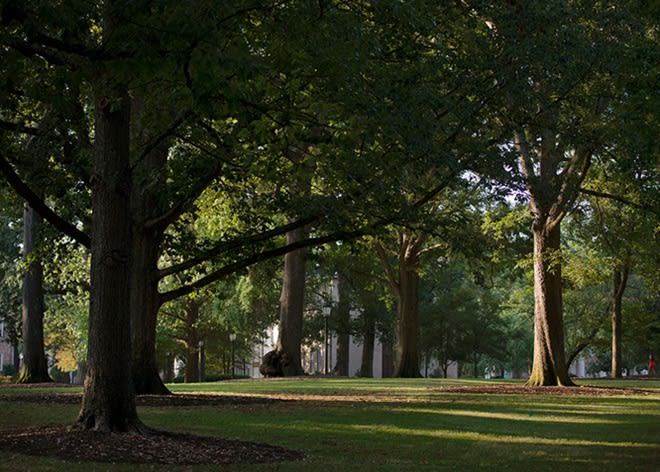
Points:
[(201, 344), (232, 337), (327, 309)]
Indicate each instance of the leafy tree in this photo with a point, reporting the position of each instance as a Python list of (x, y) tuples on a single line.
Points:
[(564, 79)]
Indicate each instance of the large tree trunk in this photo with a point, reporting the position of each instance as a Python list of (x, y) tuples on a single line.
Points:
[(620, 281), (291, 308), (35, 364), (549, 366), (343, 328), (108, 396), (144, 306), (145, 251)]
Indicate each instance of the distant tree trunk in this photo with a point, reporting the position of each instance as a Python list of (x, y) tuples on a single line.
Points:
[(108, 396), (35, 364), (620, 281), (368, 344), (549, 365), (292, 302), (387, 360), (191, 340), (286, 359), (343, 321), (192, 363), (407, 326), (405, 286)]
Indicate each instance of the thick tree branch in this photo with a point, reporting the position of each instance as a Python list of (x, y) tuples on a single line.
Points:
[(226, 246), (570, 357), (391, 278), (255, 258), (573, 177), (157, 140), (178, 208), (19, 128), (25, 192), (620, 199)]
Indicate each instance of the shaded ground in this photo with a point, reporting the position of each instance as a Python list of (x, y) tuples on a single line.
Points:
[(187, 449)]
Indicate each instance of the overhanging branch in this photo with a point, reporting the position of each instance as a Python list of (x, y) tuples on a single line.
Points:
[(618, 198), (255, 258), (25, 192), (234, 244)]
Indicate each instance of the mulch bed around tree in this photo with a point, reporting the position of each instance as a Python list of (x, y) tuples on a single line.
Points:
[(158, 447), (186, 449)]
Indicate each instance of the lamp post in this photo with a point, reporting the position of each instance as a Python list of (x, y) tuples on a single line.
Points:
[(232, 338), (202, 375), (326, 314)]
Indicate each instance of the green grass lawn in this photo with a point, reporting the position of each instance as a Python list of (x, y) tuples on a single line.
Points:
[(394, 425)]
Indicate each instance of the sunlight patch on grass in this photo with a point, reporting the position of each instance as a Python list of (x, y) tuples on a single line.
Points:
[(497, 438), (533, 416)]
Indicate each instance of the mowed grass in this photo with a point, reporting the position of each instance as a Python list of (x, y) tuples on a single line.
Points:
[(393, 425)]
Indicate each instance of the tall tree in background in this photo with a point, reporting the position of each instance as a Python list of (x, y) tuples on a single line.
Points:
[(342, 323), (561, 63), (619, 223), (292, 300), (35, 364), (404, 282)]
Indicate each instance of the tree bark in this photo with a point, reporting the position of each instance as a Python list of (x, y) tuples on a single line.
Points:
[(620, 281), (145, 300), (35, 364), (549, 366), (407, 321), (407, 326), (387, 361), (291, 307), (343, 328), (108, 396), (405, 285), (368, 344), (191, 340), (144, 306)]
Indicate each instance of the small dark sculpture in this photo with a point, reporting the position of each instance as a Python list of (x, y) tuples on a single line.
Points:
[(271, 364)]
